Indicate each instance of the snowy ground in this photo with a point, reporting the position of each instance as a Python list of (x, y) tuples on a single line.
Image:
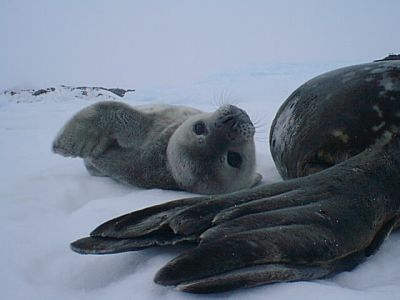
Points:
[(47, 201)]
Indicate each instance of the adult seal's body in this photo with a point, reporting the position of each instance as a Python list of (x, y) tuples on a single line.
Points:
[(336, 139), (334, 117), (164, 146)]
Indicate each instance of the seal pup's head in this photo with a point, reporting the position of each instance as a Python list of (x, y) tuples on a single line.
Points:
[(214, 153)]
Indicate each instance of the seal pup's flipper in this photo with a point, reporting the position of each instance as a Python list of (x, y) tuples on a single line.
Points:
[(97, 127)]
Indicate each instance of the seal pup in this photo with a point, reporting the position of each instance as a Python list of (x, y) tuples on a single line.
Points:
[(164, 146), (336, 140)]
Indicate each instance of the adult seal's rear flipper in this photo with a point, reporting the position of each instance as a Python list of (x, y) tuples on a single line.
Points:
[(137, 230), (170, 223)]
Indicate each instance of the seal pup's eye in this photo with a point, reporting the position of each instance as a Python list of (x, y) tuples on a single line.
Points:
[(200, 128), (234, 159)]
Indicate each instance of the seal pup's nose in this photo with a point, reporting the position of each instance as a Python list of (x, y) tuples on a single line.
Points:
[(235, 124), (231, 114)]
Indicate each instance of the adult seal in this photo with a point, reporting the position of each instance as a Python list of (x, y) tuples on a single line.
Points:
[(336, 141), (164, 146)]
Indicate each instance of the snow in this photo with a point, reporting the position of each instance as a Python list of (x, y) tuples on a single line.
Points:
[(200, 54)]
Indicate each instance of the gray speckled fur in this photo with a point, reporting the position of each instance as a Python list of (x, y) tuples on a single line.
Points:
[(155, 146)]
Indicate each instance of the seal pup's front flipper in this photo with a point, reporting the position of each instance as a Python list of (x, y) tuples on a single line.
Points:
[(97, 127)]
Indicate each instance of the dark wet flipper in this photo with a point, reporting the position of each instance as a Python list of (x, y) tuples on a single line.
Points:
[(165, 224), (348, 262), (381, 236), (101, 245), (184, 217), (253, 276), (289, 199), (270, 273), (269, 220), (143, 222), (200, 216), (267, 273), (279, 245)]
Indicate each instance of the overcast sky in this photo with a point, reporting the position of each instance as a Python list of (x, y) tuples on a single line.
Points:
[(129, 43)]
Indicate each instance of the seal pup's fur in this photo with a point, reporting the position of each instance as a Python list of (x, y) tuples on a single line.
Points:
[(164, 146)]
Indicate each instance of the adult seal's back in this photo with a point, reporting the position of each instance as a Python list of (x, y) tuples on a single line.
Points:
[(164, 146), (336, 139), (336, 116)]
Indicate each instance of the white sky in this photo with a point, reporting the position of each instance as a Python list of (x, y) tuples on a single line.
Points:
[(132, 43)]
